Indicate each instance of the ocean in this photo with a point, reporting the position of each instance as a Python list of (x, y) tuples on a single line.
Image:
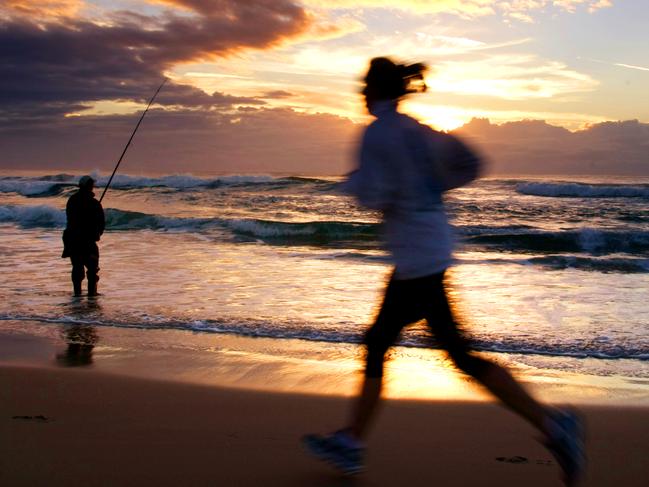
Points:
[(550, 273)]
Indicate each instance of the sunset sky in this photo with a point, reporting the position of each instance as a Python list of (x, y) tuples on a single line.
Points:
[(264, 66)]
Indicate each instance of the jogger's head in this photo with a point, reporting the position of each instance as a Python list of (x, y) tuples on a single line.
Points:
[(387, 80)]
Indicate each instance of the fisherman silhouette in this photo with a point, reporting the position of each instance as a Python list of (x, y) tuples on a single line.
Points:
[(85, 225)]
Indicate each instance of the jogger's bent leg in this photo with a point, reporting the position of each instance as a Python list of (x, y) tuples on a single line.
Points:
[(494, 377)]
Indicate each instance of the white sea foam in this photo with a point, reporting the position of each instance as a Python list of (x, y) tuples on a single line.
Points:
[(32, 216)]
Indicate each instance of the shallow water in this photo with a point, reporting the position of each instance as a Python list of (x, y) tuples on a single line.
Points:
[(551, 274)]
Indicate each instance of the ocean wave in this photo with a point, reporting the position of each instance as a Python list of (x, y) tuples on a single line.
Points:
[(33, 188), (569, 347), (308, 232), (582, 190), (180, 181), (315, 232), (39, 216), (630, 265), (52, 185), (518, 238), (278, 232), (588, 240), (607, 265)]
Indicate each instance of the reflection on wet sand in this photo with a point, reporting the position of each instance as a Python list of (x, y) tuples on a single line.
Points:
[(80, 338)]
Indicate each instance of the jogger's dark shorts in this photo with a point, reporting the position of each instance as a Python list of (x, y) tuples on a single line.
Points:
[(408, 301)]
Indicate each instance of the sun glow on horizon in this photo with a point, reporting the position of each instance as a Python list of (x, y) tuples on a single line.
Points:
[(439, 117)]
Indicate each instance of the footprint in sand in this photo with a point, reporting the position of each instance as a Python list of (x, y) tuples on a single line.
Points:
[(515, 459), (547, 463), (522, 460), (38, 419)]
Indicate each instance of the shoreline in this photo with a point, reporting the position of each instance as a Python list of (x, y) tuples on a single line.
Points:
[(150, 408), (287, 365)]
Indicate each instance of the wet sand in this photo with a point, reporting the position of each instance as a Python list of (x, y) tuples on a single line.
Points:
[(80, 426)]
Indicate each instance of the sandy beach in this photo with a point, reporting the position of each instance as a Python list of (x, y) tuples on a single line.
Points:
[(61, 426)]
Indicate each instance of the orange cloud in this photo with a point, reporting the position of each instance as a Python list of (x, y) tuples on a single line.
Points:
[(43, 9)]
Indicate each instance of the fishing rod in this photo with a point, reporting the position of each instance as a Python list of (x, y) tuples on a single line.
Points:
[(131, 138)]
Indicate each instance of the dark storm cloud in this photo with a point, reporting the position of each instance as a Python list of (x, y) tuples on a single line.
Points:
[(188, 96), (50, 69)]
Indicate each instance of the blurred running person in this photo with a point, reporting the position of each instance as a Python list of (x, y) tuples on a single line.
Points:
[(405, 167)]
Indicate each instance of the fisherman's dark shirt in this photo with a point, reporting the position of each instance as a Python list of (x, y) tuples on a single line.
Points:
[(85, 223)]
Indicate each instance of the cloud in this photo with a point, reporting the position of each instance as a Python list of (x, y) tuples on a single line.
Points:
[(247, 140), (463, 7), (48, 70), (509, 77), (536, 147), (599, 4), (42, 9), (514, 9), (591, 5), (278, 94), (262, 140), (522, 10)]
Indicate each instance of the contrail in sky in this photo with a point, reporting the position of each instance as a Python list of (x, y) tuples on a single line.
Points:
[(630, 66)]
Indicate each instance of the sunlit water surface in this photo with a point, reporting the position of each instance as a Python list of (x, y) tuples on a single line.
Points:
[(550, 274)]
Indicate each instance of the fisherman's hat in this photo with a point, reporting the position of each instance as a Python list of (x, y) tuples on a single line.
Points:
[(86, 181)]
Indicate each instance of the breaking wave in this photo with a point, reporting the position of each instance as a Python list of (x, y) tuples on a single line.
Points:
[(582, 190), (514, 239), (588, 240), (34, 189), (42, 216), (56, 184)]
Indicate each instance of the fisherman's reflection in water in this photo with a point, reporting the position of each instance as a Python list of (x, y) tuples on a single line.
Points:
[(81, 340)]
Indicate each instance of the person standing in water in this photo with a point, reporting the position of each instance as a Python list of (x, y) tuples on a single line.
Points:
[(405, 167), (85, 225)]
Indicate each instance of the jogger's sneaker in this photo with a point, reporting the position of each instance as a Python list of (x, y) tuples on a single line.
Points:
[(566, 443), (338, 449)]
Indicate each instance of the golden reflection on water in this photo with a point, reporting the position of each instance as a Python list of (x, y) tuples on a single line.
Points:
[(428, 374)]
